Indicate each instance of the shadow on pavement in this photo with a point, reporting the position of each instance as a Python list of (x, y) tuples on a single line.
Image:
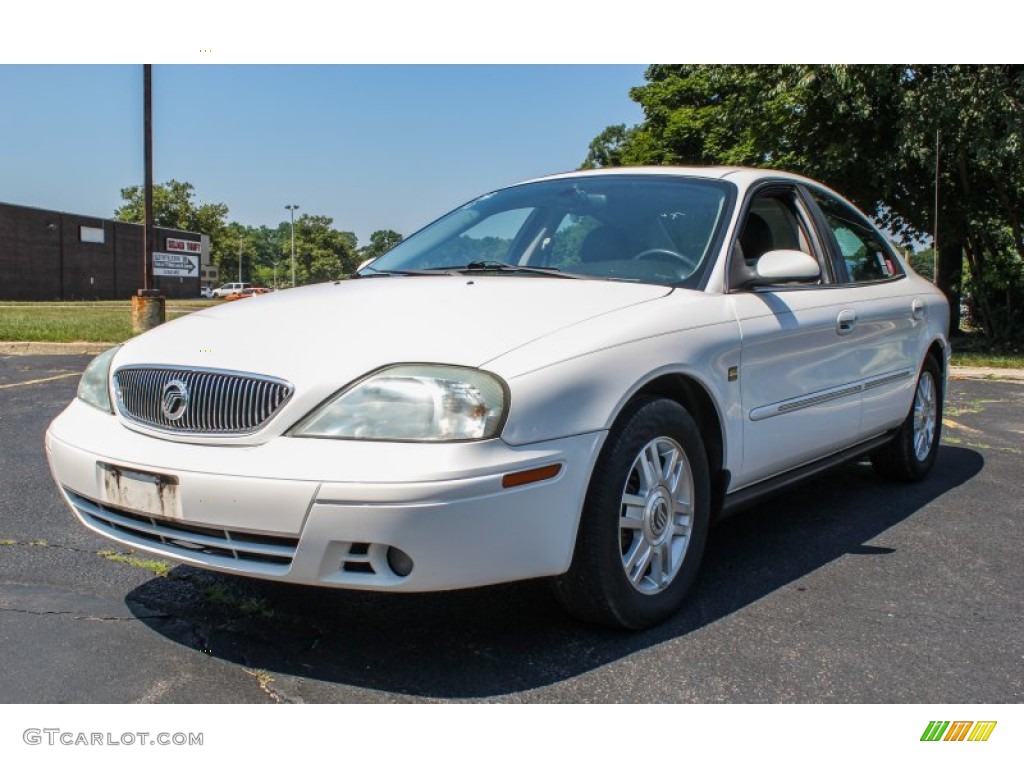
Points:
[(512, 638)]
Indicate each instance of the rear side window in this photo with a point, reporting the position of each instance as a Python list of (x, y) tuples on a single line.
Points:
[(863, 253)]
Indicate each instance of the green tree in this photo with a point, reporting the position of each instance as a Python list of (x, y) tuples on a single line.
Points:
[(978, 114), (381, 241), (606, 149), (923, 262), (238, 241), (870, 132), (270, 255), (175, 207), (322, 252), (261, 249)]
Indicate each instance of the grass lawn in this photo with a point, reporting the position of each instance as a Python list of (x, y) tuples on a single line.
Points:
[(110, 321), (973, 349), (61, 321), (985, 360)]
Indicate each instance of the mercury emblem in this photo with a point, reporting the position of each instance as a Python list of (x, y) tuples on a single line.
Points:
[(174, 399)]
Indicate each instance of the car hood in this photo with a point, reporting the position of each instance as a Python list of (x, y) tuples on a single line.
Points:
[(324, 336)]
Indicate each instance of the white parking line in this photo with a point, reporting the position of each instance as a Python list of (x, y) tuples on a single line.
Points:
[(40, 381)]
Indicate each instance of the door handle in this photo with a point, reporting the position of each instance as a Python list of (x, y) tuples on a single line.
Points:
[(846, 322), (918, 309)]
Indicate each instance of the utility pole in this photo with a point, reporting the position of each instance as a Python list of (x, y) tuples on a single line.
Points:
[(935, 214), (148, 310)]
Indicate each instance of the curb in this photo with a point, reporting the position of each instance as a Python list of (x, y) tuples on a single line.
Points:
[(53, 348)]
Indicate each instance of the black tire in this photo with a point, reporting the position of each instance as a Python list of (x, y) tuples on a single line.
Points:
[(911, 454), (654, 530)]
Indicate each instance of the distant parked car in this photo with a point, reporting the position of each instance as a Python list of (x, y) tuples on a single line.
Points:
[(570, 378), (230, 288), (206, 292), (245, 293)]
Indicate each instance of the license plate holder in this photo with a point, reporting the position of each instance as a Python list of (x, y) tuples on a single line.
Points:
[(145, 493)]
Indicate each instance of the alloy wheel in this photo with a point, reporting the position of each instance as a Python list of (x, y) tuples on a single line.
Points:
[(656, 515)]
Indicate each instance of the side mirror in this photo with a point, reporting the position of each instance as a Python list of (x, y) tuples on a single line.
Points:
[(785, 266)]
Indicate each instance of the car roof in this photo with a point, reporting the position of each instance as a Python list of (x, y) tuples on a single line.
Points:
[(742, 176)]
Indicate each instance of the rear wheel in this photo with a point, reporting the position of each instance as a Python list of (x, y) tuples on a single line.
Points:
[(644, 521), (911, 453)]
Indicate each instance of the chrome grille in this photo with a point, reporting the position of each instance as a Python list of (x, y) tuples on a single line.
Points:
[(218, 402)]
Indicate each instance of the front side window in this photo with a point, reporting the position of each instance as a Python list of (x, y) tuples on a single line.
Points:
[(773, 223), (776, 219), (657, 229), (862, 251)]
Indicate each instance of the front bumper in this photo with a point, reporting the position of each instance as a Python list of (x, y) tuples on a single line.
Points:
[(326, 512)]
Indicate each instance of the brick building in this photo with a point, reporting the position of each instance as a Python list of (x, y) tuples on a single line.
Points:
[(48, 255)]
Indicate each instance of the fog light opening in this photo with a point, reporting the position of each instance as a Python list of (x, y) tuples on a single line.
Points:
[(399, 562)]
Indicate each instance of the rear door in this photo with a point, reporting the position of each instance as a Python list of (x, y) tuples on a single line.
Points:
[(888, 317)]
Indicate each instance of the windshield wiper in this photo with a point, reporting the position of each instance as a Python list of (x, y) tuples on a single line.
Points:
[(473, 266), (403, 272), (501, 266)]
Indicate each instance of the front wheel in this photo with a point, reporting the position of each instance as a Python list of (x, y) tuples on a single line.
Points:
[(911, 453), (644, 522)]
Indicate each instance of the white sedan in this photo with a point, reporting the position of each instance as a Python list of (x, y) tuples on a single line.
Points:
[(572, 378)]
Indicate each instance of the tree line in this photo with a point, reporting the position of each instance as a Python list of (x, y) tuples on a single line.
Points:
[(321, 251), (891, 138)]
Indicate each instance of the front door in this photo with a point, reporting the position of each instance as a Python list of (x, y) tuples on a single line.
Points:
[(800, 366)]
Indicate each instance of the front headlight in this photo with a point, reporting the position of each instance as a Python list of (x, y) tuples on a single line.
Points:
[(93, 388), (433, 403)]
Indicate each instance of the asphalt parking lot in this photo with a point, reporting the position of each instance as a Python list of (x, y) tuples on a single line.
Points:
[(847, 589)]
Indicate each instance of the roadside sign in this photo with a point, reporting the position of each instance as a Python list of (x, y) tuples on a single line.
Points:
[(175, 265), (184, 246)]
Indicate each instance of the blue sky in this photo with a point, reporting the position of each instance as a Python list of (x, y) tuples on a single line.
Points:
[(348, 118), (372, 146)]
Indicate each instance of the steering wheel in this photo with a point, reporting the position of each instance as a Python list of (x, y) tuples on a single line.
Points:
[(659, 254)]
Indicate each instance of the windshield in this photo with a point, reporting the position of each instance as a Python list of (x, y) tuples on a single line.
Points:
[(644, 228)]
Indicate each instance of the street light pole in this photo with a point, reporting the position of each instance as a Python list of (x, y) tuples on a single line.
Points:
[(239, 261), (293, 208)]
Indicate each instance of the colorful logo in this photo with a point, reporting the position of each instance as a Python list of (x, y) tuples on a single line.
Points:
[(958, 730)]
